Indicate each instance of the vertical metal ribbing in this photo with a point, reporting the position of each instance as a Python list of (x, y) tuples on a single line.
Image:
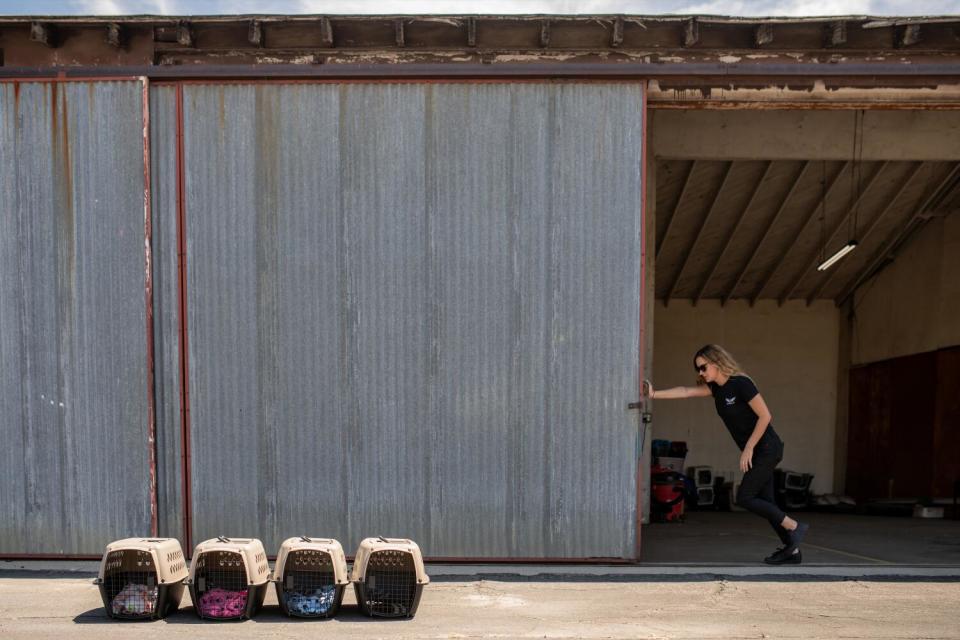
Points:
[(184, 352), (148, 292)]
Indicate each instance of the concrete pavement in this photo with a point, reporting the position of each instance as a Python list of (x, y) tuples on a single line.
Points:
[(580, 602)]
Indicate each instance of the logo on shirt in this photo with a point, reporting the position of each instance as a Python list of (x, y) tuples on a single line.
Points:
[(731, 401)]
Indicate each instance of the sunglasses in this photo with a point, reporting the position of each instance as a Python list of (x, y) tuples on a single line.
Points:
[(702, 368)]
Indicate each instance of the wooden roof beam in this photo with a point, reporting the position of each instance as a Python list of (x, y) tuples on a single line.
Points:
[(733, 232), (691, 32), (886, 253), (255, 33), (908, 35), (810, 216), (676, 209), (544, 34), (44, 33), (836, 34), (830, 275), (762, 35), (696, 239), (326, 32), (815, 258), (184, 34), (766, 232), (616, 38), (116, 35)]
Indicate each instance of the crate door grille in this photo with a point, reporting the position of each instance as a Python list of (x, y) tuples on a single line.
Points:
[(221, 584), (130, 580), (390, 583), (309, 586)]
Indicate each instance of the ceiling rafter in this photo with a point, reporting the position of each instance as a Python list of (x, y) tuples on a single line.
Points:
[(676, 209), (815, 257), (951, 181), (706, 221), (733, 232), (766, 232), (810, 216), (906, 182)]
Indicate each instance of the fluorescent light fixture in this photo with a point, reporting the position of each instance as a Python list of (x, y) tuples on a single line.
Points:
[(829, 262)]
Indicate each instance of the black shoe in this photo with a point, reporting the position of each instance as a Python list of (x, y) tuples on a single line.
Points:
[(779, 550), (785, 555), (796, 536)]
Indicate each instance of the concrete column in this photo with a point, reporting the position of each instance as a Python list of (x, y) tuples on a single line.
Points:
[(844, 357)]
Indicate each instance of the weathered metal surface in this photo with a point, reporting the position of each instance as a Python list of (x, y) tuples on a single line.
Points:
[(413, 311), (664, 94), (166, 312), (308, 40), (74, 465), (713, 74)]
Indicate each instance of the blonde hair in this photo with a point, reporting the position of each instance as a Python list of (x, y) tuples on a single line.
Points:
[(720, 357)]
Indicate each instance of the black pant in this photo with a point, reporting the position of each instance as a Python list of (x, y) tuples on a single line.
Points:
[(756, 489)]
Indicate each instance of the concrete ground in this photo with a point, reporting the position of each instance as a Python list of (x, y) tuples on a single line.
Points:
[(586, 604), (862, 577)]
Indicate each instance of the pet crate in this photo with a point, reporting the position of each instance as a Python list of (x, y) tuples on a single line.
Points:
[(702, 476), (310, 576), (228, 578), (388, 577), (792, 489), (705, 497), (141, 578)]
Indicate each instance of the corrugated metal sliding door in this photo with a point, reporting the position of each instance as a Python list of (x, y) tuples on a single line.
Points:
[(74, 401), (412, 311)]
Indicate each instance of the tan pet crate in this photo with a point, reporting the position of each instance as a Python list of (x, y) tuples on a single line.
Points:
[(142, 578), (228, 578), (388, 577), (310, 576)]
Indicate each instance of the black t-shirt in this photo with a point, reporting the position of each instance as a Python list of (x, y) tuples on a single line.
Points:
[(732, 402)]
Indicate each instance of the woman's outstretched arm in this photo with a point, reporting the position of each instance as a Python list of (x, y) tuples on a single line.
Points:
[(702, 391)]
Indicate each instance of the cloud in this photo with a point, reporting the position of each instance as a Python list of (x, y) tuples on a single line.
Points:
[(795, 8), (123, 7)]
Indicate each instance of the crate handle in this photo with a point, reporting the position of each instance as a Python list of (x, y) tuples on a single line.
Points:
[(223, 539), (382, 539), (306, 539)]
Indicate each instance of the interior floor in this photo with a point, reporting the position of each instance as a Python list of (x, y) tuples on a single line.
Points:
[(725, 538)]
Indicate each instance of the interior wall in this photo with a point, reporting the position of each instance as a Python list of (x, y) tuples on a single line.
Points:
[(791, 354), (804, 134), (913, 305)]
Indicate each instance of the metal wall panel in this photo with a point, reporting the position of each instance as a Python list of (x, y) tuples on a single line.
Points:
[(73, 349), (166, 309), (413, 310)]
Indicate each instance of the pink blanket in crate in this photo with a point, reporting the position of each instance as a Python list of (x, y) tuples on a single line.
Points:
[(220, 603)]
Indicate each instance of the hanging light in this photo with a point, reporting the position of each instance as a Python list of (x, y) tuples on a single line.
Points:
[(855, 176), (829, 262)]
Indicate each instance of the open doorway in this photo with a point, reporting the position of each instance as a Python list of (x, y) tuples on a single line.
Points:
[(855, 360)]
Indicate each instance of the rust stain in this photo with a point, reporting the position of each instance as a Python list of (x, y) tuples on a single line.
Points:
[(53, 110), (67, 173), (222, 112), (63, 182)]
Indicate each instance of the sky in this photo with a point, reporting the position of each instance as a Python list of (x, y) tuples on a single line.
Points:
[(490, 7)]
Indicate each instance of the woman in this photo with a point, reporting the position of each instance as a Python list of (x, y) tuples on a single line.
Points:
[(747, 418)]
